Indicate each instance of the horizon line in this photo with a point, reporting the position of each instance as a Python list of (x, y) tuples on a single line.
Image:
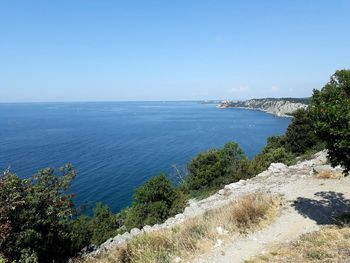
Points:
[(109, 101)]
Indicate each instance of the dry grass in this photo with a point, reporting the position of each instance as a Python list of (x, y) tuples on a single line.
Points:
[(327, 245), (329, 175), (199, 234)]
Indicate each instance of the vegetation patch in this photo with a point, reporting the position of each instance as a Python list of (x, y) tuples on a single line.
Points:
[(199, 234), (330, 244), (329, 175)]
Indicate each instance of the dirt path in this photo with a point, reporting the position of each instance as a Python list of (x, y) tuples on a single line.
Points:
[(310, 203)]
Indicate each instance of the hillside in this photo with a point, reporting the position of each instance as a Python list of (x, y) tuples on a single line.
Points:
[(310, 200), (276, 106)]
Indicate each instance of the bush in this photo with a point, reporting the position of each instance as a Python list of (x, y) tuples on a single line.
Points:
[(300, 135), (274, 152), (330, 109), (204, 170), (153, 202), (36, 211), (214, 168), (80, 230), (104, 224)]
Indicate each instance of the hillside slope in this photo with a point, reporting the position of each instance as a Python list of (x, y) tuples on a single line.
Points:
[(310, 202)]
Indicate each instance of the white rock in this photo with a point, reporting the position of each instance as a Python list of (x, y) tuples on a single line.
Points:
[(135, 232), (218, 243), (177, 260), (233, 186), (263, 174), (277, 167), (116, 238), (179, 217), (221, 192), (126, 236), (170, 221), (146, 228), (221, 231)]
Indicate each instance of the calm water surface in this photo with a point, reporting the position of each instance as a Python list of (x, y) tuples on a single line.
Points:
[(116, 146)]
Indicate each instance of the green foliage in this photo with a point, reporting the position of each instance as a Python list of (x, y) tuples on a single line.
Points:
[(158, 188), (214, 168), (36, 211), (330, 109), (204, 170), (81, 231), (154, 202), (104, 224), (300, 135), (274, 152)]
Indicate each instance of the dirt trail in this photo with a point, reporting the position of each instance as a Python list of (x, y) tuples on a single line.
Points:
[(310, 204)]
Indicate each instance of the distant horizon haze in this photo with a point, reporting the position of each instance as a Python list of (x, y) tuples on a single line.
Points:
[(131, 101)]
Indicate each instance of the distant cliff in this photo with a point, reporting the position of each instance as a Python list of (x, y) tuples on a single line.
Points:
[(277, 106)]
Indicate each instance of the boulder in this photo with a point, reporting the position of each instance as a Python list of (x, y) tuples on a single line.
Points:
[(135, 231), (277, 168), (179, 217), (146, 228)]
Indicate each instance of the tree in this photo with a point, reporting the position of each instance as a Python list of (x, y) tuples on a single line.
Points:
[(273, 152), (216, 167), (300, 135), (204, 169), (104, 224), (152, 202), (330, 109), (37, 210)]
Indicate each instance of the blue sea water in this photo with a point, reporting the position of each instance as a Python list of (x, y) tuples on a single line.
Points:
[(117, 146)]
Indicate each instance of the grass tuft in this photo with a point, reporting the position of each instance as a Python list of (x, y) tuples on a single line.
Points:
[(329, 175), (199, 234), (330, 244)]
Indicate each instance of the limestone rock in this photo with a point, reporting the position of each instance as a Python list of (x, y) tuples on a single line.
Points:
[(277, 167)]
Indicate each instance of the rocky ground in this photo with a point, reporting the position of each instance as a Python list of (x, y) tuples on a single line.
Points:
[(310, 202)]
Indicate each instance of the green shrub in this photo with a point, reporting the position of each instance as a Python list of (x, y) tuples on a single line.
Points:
[(273, 152), (154, 202), (300, 135), (104, 224), (80, 231), (216, 167), (36, 211), (330, 109), (204, 169)]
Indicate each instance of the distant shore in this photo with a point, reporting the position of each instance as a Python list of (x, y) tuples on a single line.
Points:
[(282, 107)]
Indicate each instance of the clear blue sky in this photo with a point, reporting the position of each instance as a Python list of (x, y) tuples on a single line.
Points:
[(70, 50)]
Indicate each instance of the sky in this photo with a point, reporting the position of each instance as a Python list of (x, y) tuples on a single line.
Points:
[(89, 50)]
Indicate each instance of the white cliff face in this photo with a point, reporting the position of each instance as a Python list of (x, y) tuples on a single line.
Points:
[(278, 107)]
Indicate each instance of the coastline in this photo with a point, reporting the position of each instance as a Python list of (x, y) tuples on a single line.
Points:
[(255, 109)]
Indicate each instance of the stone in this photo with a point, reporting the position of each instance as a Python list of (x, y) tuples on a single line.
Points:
[(323, 168), (233, 186), (170, 221), (221, 192), (263, 174), (180, 217), (126, 236), (135, 231), (277, 167), (147, 228)]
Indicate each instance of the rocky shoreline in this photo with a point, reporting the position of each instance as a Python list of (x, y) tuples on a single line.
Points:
[(283, 107)]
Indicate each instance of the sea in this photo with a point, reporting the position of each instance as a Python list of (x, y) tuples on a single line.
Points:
[(117, 146)]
